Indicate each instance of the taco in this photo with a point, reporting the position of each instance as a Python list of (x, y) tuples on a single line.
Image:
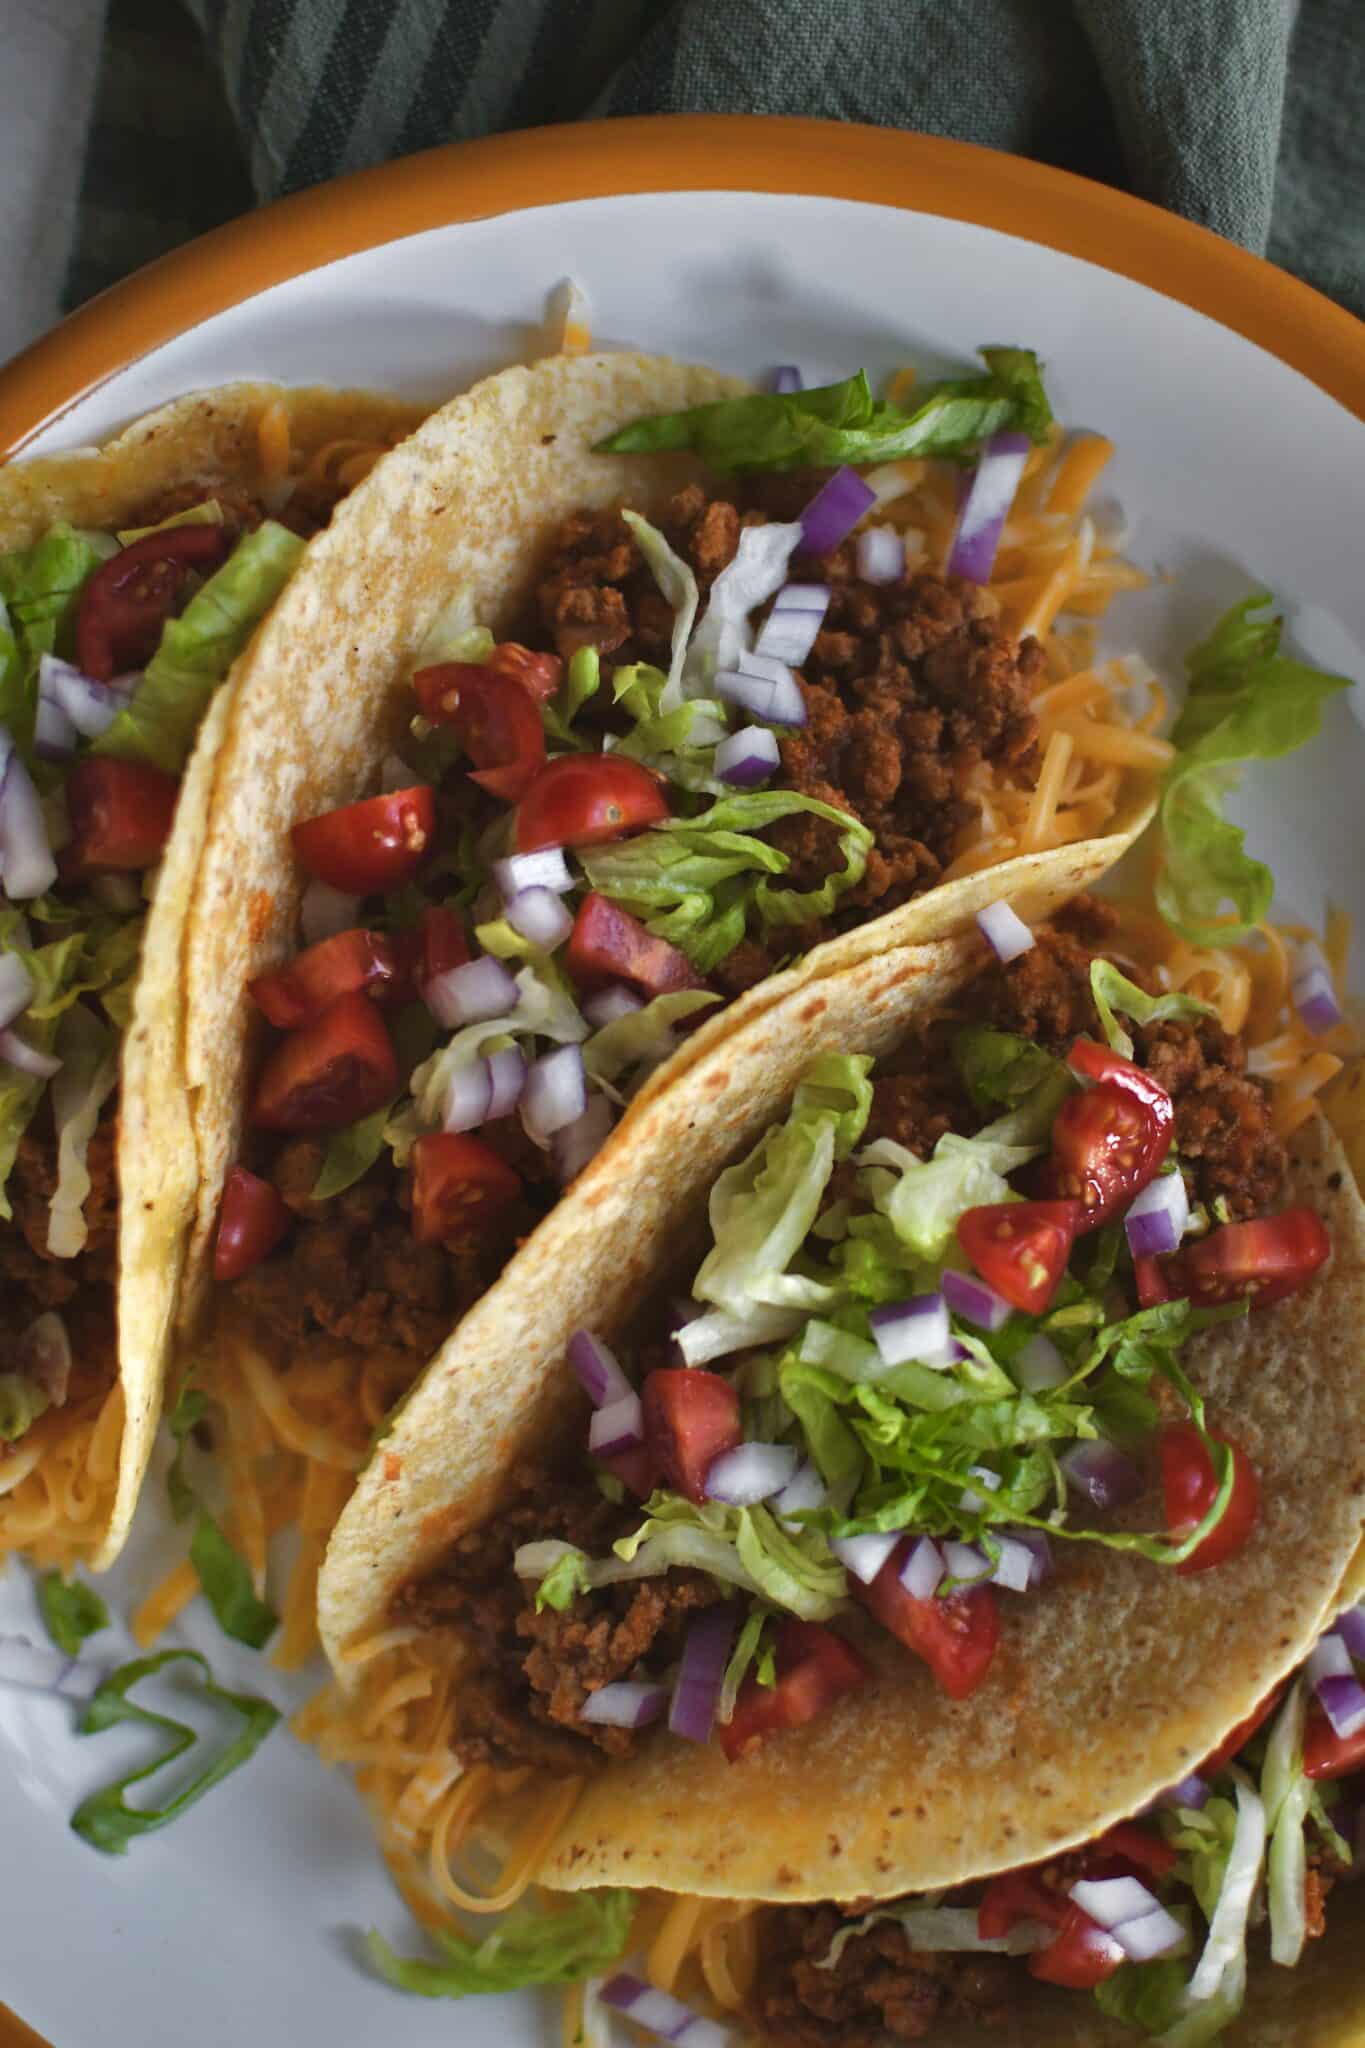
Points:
[(540, 683), (998, 1457), (130, 579)]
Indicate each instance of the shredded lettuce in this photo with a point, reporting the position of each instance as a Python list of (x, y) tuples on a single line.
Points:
[(71, 1611), (840, 423), (644, 1037), (1246, 702), (455, 633), (588, 1931), (744, 1656), (941, 1930), (207, 513), (543, 1010), (567, 1577), (998, 1066), (757, 573), (41, 587), (198, 648), (22, 1401), (351, 1153), (1113, 991), (680, 744), (1149, 1996), (1287, 1794), (679, 587), (1219, 1980), (89, 1053)]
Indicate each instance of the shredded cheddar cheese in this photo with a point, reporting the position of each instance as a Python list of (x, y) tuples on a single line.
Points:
[(57, 1485)]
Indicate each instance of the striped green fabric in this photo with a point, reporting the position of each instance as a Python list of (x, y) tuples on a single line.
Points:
[(1243, 115)]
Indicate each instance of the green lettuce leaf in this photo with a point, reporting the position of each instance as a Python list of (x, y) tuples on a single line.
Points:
[(60, 975), (89, 1053), (1113, 991), (643, 1037), (935, 1930), (843, 423), (678, 586), (1287, 1794), (190, 1409), (564, 1581), (207, 513), (679, 744), (455, 633), (588, 1932), (351, 1153), (198, 648), (41, 587), (582, 679), (1247, 702), (745, 1655), (22, 1401), (1149, 1996), (227, 1586), (71, 1611), (998, 1066)]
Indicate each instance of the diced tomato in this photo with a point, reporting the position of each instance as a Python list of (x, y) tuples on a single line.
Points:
[(540, 674), (1265, 1260), (334, 1071), (1110, 1140), (494, 718), (339, 966), (588, 799), (252, 1218), (1189, 1487), (1021, 1248), (1080, 1955), (121, 814), (1241, 1734), (459, 1186), (608, 944), (1327, 1754), (129, 598), (1153, 1287), (691, 1416), (956, 1635), (1147, 1851), (635, 1469), (815, 1667), (373, 845), (1018, 1895)]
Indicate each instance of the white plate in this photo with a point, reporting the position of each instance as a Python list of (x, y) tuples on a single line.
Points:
[(240, 1923)]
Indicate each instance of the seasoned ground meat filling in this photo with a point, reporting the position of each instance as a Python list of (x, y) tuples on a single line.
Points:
[(879, 1988), (908, 688), (522, 1701), (305, 512), (81, 1290)]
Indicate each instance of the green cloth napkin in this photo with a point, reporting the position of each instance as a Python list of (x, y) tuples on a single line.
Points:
[(1245, 115)]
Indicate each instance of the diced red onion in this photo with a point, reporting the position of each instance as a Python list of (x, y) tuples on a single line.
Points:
[(789, 635), (966, 1562), (598, 1370), (1191, 1791), (90, 706), (658, 2013), (923, 1570), (1007, 935), (696, 1692), (556, 1093), (27, 868), (1315, 997), (986, 506), (1157, 1218), (1015, 1566), (1153, 1934), (539, 916), (611, 1002), (16, 988), (1329, 1658), (1350, 1626), (916, 1329), (1111, 1900), (881, 555), (17, 1052), (864, 1556), (969, 1500), (834, 511), (546, 868), (1039, 1549), (1102, 1473), (507, 1075), (472, 994), (467, 1097), (627, 1703), (803, 597), (1039, 1365), (325, 911), (580, 1141), (803, 1493), (777, 701), (748, 756), (54, 736), (618, 1427), (749, 1473), (1343, 1701), (974, 1301), (784, 378), (45, 1356)]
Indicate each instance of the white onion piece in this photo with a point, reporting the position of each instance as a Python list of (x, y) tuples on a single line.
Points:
[(54, 736), (803, 597), (766, 665), (17, 1052), (1039, 1365), (970, 1297), (467, 1097), (966, 1562), (90, 706), (658, 2013), (1158, 1217), (45, 1356), (1007, 934), (1343, 1701), (618, 1427), (789, 635), (969, 1500), (627, 1703), (1157, 1933), (1039, 1550), (325, 911), (539, 916), (916, 1329), (1111, 1900), (609, 1003), (472, 994), (16, 988), (749, 1473), (775, 702), (546, 868), (507, 1074), (748, 757), (881, 555), (923, 1570), (1014, 1568), (1329, 1658), (27, 868), (556, 1093), (864, 1556), (597, 1369), (581, 1141), (804, 1492), (986, 506)]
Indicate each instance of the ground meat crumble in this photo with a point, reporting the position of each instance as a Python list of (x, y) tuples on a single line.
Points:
[(878, 1989)]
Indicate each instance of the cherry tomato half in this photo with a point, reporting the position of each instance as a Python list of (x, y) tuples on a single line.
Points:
[(956, 1636), (347, 962), (1327, 1754), (1080, 1955), (815, 1667), (438, 943), (1265, 1260), (1189, 1486), (459, 1186), (1141, 1847), (334, 1071), (373, 845), (129, 598), (586, 800), (540, 674), (608, 944), (252, 1218), (494, 718), (121, 815), (1019, 1895), (1021, 1248), (691, 1416), (1110, 1140)]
